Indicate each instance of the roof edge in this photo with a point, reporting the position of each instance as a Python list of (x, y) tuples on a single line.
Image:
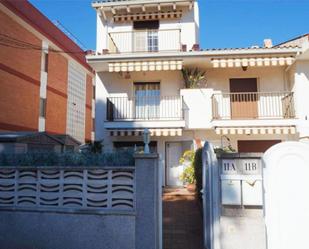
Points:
[(210, 53), (293, 39), (113, 3)]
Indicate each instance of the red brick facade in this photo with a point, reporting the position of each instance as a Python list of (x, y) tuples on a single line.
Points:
[(20, 74), (56, 105), (20, 79)]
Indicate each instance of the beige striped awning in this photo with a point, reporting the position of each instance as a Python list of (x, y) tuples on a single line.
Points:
[(252, 62), (138, 66), (285, 130), (153, 132), (148, 16)]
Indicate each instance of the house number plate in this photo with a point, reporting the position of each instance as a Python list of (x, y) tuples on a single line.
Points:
[(241, 167)]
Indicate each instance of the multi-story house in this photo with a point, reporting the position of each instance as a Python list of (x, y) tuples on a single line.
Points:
[(45, 83), (251, 99)]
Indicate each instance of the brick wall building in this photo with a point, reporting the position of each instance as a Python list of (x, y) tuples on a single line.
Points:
[(45, 82)]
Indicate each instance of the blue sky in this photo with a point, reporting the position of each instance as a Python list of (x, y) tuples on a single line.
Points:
[(224, 23)]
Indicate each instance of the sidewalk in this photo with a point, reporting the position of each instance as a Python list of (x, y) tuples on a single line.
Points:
[(182, 220)]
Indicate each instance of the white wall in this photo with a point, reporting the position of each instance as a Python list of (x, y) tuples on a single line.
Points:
[(100, 108), (170, 82), (269, 78), (102, 35), (301, 89), (198, 108), (300, 86)]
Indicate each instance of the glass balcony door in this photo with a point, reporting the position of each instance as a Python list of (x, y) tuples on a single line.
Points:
[(145, 36), (147, 100), (153, 42), (146, 41)]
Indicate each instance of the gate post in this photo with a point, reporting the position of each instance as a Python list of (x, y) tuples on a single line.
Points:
[(148, 202), (211, 198), (286, 199)]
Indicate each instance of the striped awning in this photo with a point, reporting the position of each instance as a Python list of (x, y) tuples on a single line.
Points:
[(138, 66), (285, 130), (139, 132), (252, 62), (148, 16)]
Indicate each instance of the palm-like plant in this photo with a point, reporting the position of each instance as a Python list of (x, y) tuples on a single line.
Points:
[(193, 78)]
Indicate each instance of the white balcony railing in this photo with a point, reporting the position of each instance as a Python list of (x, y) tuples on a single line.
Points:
[(253, 105), (168, 108), (145, 41)]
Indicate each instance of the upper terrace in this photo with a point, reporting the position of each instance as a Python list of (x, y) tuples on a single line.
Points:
[(143, 26)]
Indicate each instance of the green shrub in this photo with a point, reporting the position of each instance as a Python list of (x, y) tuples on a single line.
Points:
[(67, 159), (93, 147), (187, 175), (198, 170), (188, 156), (187, 159), (224, 150), (194, 77)]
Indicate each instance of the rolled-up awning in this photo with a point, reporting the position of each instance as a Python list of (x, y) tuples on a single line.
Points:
[(148, 16), (139, 132), (285, 130), (138, 66), (252, 62)]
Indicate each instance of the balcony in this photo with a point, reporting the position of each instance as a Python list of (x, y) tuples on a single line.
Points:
[(145, 108), (253, 105), (145, 41)]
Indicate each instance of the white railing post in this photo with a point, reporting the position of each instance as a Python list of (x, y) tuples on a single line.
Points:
[(265, 105)]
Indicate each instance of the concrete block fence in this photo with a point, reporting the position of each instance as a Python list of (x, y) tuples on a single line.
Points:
[(81, 207)]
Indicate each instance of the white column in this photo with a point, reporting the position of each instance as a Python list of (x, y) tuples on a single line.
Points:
[(43, 84), (102, 33), (301, 90)]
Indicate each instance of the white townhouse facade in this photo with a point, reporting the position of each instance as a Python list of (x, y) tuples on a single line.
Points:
[(251, 99)]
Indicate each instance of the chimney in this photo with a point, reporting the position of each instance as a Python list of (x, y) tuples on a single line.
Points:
[(268, 43)]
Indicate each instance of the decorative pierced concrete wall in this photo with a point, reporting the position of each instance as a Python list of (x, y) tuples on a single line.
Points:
[(68, 188)]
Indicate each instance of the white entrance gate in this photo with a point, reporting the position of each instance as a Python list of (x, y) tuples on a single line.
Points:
[(286, 195), (174, 168)]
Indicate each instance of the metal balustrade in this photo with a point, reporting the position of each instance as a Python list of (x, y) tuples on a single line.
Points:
[(145, 41), (253, 105), (166, 108), (66, 188)]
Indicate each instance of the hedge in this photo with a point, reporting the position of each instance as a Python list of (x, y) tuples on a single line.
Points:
[(198, 170), (68, 159)]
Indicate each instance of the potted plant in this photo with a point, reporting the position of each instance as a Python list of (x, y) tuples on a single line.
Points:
[(188, 175), (224, 150), (193, 78)]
